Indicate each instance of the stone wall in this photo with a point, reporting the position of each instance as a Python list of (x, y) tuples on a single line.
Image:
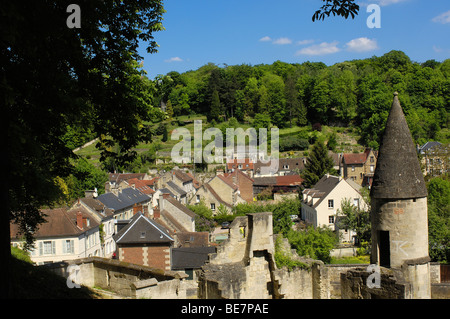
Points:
[(126, 279), (243, 266)]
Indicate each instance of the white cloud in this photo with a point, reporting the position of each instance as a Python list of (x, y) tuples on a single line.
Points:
[(320, 49), (437, 49), (362, 45), (265, 39), (174, 59), (282, 41), (442, 18), (384, 3), (303, 42)]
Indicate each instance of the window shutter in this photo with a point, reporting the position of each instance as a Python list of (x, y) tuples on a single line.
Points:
[(72, 243), (40, 248), (63, 244), (53, 247)]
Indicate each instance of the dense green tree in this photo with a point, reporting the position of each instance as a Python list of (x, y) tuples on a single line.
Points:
[(292, 98), (281, 215), (320, 103), (354, 218), (52, 77), (85, 176), (439, 218), (216, 108), (316, 243), (343, 96), (317, 164)]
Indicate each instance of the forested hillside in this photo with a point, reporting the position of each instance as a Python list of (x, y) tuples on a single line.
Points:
[(354, 93)]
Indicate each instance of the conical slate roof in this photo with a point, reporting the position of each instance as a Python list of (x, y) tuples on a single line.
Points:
[(398, 173)]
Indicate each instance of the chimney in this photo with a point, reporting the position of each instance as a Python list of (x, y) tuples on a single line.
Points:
[(156, 213), (162, 200), (166, 195), (79, 220), (89, 194)]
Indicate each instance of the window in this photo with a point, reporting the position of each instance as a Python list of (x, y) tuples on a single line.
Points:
[(330, 203), (198, 198), (356, 202), (353, 168), (372, 167), (47, 248), (331, 219), (142, 234), (213, 206), (68, 247), (285, 166), (372, 159)]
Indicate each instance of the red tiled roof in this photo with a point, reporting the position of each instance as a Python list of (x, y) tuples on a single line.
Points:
[(59, 222), (142, 185), (352, 158), (182, 176), (289, 180)]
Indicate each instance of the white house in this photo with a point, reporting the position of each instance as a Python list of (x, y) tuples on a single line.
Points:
[(66, 235), (321, 203), (104, 216)]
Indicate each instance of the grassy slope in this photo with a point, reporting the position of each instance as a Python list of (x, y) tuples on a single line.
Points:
[(346, 138)]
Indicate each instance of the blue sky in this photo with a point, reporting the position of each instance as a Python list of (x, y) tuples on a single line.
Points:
[(261, 31)]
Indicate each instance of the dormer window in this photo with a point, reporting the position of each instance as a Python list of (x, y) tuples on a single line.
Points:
[(142, 234)]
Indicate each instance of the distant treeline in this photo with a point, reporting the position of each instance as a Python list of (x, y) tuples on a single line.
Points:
[(353, 93)]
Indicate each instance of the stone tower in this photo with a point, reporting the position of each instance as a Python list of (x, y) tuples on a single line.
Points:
[(399, 207)]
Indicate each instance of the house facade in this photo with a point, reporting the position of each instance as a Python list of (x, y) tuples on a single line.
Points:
[(286, 166), (359, 167), (180, 183), (176, 216), (66, 235), (105, 217), (144, 242), (320, 204), (220, 190), (435, 158)]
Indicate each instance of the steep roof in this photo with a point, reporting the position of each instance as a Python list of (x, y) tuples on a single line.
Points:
[(322, 188), (175, 188), (117, 177), (58, 223), (125, 199), (141, 230), (182, 176), (428, 145), (354, 158), (398, 173), (144, 186)]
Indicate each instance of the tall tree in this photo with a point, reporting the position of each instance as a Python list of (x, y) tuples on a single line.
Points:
[(317, 164), (292, 101), (216, 107), (52, 76)]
